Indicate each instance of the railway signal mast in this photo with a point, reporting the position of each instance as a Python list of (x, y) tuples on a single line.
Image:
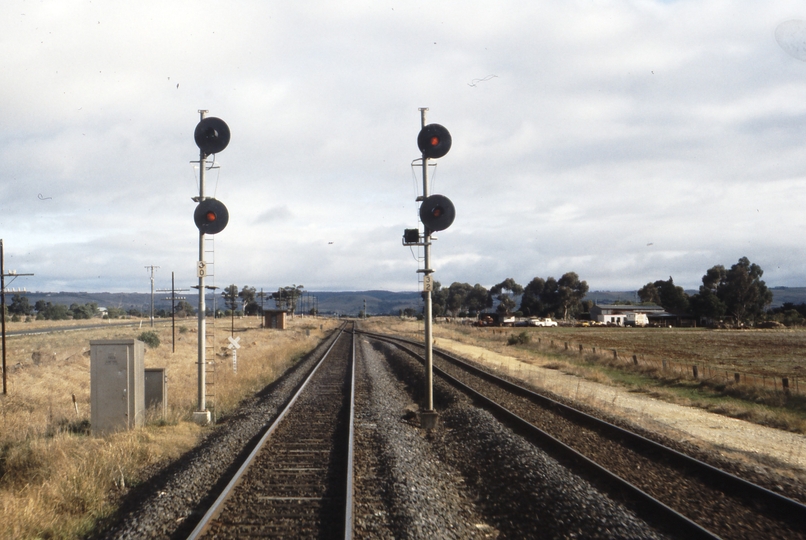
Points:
[(436, 213), (211, 216)]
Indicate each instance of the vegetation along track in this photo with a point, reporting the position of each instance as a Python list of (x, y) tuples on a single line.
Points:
[(671, 489), (297, 482)]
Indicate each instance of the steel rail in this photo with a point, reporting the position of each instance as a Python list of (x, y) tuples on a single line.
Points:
[(785, 505), (788, 509), (216, 508), (349, 504)]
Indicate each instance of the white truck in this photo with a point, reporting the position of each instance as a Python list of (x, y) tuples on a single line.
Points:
[(542, 322)]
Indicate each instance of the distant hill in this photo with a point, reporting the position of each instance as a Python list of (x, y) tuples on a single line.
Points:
[(782, 295), (104, 299), (348, 302), (342, 303), (378, 302)]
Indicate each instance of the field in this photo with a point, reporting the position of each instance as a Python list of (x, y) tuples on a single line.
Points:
[(770, 352), (55, 479)]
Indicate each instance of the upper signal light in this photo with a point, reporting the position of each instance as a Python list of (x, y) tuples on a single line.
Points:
[(434, 141), (211, 135)]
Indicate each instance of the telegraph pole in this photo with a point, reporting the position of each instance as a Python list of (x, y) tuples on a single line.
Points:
[(173, 298), (3, 277)]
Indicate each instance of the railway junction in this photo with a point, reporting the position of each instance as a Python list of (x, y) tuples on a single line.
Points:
[(335, 449)]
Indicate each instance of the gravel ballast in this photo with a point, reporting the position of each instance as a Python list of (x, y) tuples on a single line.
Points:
[(511, 489)]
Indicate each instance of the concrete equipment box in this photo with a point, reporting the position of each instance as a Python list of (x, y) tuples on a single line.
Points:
[(156, 385), (117, 385)]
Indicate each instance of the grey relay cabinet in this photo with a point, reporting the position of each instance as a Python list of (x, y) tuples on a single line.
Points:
[(117, 385), (156, 388)]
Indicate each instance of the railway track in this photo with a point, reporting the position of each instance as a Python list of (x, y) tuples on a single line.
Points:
[(678, 493), (297, 483)]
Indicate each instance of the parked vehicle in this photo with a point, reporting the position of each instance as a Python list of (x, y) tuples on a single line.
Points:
[(542, 322)]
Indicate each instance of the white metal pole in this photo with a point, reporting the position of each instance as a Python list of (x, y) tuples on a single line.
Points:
[(429, 353), (202, 415)]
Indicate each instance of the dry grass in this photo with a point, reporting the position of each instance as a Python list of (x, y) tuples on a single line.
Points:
[(55, 479)]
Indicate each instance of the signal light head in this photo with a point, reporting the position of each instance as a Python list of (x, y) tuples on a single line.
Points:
[(211, 216), (437, 213), (434, 141), (211, 135)]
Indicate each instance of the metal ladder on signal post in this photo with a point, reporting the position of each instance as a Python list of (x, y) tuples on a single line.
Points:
[(210, 342)]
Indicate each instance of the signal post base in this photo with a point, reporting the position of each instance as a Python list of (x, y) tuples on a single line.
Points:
[(201, 417), (428, 419)]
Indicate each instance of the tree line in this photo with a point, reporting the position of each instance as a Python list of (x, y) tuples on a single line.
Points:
[(42, 310), (737, 292), (285, 298), (560, 298)]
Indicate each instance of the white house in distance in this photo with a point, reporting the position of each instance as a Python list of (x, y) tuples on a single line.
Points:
[(624, 315)]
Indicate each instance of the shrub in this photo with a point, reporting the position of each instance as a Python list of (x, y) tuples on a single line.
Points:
[(521, 339), (150, 338)]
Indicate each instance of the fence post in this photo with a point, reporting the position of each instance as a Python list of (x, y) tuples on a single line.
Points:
[(566, 345), (635, 359), (785, 384), (580, 348), (663, 363), (737, 378), (615, 354), (694, 370), (593, 349)]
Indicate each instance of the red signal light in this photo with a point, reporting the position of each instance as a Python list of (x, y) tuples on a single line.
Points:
[(211, 216), (434, 141), (436, 212)]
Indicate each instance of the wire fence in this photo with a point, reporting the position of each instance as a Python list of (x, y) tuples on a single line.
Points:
[(694, 371)]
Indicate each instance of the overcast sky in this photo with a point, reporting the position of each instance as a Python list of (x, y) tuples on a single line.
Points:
[(627, 141)]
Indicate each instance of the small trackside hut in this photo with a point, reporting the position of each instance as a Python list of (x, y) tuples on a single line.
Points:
[(274, 318)]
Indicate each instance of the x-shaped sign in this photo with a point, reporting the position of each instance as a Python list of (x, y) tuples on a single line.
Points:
[(233, 342)]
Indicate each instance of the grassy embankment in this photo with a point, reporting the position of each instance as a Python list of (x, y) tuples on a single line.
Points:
[(55, 479), (765, 352)]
